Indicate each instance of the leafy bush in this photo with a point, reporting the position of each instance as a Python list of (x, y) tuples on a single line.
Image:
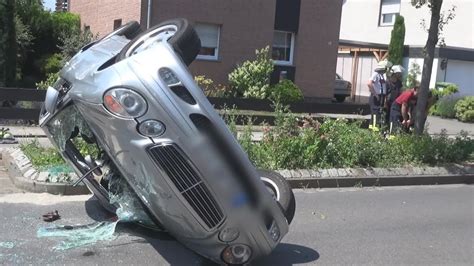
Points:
[(210, 89), (252, 78), (286, 92), (413, 73), (445, 107), (338, 143), (444, 89), (53, 63), (465, 109), (49, 81)]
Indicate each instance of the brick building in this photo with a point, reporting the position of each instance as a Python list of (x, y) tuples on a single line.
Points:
[(303, 34)]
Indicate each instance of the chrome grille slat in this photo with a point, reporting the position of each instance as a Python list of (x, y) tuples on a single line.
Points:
[(188, 182)]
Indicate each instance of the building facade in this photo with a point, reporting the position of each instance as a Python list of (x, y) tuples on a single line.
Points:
[(366, 26), (61, 5), (302, 34)]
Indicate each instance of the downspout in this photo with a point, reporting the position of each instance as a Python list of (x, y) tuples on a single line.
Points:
[(148, 18)]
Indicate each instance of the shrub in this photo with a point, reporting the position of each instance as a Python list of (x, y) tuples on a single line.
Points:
[(209, 88), (444, 89), (252, 78), (49, 81), (53, 64), (286, 92), (339, 143), (413, 73), (465, 109), (445, 107)]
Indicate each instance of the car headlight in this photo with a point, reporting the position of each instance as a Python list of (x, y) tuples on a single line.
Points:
[(151, 128), (229, 234), (236, 254), (274, 232), (125, 103)]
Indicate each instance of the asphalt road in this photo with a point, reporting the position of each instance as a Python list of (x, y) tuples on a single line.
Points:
[(395, 225)]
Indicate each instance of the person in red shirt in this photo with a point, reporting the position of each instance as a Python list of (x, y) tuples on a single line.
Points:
[(400, 111)]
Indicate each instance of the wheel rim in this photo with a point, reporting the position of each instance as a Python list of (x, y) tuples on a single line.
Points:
[(272, 187), (152, 38)]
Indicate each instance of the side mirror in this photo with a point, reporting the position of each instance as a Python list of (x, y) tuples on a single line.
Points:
[(51, 100)]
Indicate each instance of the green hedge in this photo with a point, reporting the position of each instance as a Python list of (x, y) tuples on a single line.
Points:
[(465, 109), (338, 143)]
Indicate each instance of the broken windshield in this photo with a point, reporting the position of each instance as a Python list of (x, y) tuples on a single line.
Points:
[(68, 124)]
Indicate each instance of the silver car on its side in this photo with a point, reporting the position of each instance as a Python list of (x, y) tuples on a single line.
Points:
[(131, 96)]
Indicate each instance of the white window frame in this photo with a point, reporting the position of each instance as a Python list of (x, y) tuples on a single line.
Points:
[(214, 57), (292, 49), (390, 11)]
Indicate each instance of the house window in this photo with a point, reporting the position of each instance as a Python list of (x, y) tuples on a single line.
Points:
[(283, 46), (389, 9), (117, 23), (209, 35)]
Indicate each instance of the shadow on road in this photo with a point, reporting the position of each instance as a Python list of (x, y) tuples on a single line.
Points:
[(177, 254)]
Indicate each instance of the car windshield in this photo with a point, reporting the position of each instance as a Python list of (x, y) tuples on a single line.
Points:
[(68, 124)]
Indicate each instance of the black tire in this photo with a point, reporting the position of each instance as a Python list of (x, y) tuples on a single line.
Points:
[(185, 41), (130, 30), (281, 191), (340, 98)]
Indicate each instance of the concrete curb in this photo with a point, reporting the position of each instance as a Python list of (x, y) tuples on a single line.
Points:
[(360, 177), (24, 176)]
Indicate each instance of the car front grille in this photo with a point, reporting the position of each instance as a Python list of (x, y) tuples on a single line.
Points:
[(180, 171)]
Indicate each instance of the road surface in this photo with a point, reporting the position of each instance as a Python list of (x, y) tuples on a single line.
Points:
[(391, 225)]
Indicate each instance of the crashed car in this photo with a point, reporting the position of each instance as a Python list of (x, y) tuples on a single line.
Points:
[(126, 107)]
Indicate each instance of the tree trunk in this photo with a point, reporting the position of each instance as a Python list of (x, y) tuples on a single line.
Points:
[(420, 110)]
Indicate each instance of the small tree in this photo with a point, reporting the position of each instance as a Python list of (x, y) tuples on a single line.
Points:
[(395, 49), (252, 78), (413, 73)]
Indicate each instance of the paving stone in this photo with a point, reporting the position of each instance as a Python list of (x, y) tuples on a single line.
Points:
[(295, 174), (24, 167), (24, 162), (369, 172), (332, 172), (469, 169), (350, 172), (314, 173), (285, 173), (42, 177), (418, 171), (342, 172), (442, 171), (305, 173), (20, 158), (15, 152), (357, 172), (431, 171), (324, 173), (402, 171), (30, 173)]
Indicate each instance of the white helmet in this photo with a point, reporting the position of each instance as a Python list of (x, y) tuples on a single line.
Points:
[(398, 69), (383, 65)]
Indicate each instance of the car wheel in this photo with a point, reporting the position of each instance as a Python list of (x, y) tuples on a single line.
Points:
[(281, 192), (130, 30), (340, 99), (177, 32)]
